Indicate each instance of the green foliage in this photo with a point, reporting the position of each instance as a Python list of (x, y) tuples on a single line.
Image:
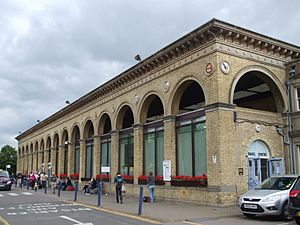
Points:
[(8, 156)]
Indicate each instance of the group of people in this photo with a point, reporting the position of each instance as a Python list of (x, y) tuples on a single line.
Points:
[(119, 184), (39, 181)]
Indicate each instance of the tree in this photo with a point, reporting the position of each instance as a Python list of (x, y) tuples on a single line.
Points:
[(8, 156)]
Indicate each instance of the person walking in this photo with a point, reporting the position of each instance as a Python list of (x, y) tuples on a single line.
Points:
[(119, 181), (151, 186)]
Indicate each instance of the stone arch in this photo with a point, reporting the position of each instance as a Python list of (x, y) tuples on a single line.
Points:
[(88, 130), (75, 135), (188, 95), (42, 145), (257, 88), (36, 146), (105, 125), (48, 142), (152, 108), (125, 117), (56, 140), (64, 137)]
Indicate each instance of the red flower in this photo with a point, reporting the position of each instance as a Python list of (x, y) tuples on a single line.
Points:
[(74, 176), (63, 176), (103, 176)]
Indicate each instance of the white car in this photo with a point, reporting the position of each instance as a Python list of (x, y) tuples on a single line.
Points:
[(268, 198)]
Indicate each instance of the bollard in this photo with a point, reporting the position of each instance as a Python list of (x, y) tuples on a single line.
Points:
[(27, 185), (59, 188), (46, 187), (76, 190), (99, 193), (141, 201)]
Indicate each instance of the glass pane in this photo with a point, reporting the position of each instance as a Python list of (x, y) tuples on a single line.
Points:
[(126, 155), (104, 154), (160, 152), (184, 146), (89, 161), (200, 149), (149, 152)]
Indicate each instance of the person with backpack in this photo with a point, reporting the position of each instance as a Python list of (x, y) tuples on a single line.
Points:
[(119, 181)]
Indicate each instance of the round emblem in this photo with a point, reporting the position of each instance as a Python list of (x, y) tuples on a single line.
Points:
[(209, 68), (166, 86), (225, 67), (136, 99)]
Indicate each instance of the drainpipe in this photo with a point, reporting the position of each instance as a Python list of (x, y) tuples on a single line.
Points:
[(290, 121)]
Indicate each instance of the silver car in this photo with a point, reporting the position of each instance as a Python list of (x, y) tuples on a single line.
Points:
[(268, 198)]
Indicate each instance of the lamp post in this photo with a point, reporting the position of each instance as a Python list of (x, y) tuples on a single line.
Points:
[(292, 73)]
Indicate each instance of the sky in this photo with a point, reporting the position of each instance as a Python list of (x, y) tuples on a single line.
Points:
[(57, 50)]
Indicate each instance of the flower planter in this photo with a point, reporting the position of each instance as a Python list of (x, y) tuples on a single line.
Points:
[(188, 183), (128, 181), (157, 182)]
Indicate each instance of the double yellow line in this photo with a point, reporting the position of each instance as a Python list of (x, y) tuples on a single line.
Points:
[(4, 221)]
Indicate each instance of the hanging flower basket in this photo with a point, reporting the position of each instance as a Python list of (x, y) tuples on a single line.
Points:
[(189, 181), (143, 180)]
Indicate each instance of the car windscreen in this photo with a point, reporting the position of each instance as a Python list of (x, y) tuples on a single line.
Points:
[(276, 183), (4, 174)]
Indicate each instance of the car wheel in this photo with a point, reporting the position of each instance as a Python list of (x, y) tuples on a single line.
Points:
[(249, 215), (297, 220), (285, 213)]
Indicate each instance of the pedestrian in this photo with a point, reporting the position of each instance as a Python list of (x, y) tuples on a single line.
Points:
[(151, 186), (119, 181)]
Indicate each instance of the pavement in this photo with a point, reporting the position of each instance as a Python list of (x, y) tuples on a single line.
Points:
[(163, 211)]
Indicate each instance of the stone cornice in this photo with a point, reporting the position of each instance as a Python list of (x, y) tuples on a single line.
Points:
[(211, 32)]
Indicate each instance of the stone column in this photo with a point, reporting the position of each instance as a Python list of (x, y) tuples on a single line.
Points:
[(61, 157), (53, 160), (170, 141), (71, 159), (34, 158), (40, 160), (138, 152), (82, 159), (97, 151), (114, 153)]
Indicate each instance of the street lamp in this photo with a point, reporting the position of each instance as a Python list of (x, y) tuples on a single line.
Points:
[(292, 74), (7, 167)]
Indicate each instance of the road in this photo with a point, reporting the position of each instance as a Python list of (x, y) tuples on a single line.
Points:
[(26, 207)]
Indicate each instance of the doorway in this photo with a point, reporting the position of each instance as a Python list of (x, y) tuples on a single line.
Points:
[(260, 165)]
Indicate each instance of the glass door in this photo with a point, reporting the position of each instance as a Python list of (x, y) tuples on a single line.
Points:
[(254, 173)]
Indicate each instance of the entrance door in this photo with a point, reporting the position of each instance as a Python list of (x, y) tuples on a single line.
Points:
[(253, 172)]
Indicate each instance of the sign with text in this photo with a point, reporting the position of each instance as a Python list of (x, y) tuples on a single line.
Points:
[(167, 170), (105, 169)]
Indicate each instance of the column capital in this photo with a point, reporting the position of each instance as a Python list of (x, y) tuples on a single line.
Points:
[(138, 126), (169, 118)]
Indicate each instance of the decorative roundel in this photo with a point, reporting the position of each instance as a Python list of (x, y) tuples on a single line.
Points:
[(113, 109), (166, 86), (209, 69), (225, 67)]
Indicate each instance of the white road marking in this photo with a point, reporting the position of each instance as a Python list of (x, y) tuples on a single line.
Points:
[(75, 221), (27, 193), (13, 194), (1, 195)]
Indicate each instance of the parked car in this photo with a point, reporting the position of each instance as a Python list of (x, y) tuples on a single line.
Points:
[(5, 181), (270, 198), (294, 201)]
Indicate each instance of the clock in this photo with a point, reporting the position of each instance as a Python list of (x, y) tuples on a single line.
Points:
[(225, 67)]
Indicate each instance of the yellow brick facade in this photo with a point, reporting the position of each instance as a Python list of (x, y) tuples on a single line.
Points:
[(165, 75)]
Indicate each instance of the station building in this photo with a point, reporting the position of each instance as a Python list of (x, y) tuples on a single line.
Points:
[(214, 102)]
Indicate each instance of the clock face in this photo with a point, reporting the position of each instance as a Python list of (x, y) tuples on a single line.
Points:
[(225, 67)]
